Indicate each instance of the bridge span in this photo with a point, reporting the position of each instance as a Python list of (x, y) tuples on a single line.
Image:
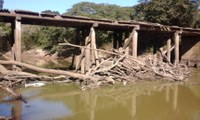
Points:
[(182, 44)]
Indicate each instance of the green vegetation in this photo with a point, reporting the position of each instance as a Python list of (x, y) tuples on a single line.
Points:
[(100, 11), (168, 12)]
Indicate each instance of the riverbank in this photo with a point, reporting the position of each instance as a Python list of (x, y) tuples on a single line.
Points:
[(40, 57)]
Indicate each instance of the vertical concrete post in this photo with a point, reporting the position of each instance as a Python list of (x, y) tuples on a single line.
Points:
[(134, 43), (93, 41), (17, 38), (87, 53), (94, 46), (176, 41), (169, 50)]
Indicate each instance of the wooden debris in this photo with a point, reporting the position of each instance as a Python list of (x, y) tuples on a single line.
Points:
[(111, 69)]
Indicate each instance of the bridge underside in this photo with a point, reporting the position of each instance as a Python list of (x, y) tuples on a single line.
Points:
[(182, 43), (190, 51)]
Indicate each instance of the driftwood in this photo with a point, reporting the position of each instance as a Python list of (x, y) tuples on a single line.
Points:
[(124, 68), (9, 78), (115, 67), (50, 71)]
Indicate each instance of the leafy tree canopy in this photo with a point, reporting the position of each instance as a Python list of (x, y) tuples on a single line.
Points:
[(51, 12), (169, 12), (99, 11)]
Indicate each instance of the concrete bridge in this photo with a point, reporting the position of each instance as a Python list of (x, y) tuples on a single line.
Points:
[(183, 44)]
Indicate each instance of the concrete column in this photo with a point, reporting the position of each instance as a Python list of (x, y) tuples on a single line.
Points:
[(87, 53), (17, 39), (176, 41), (134, 43), (169, 50)]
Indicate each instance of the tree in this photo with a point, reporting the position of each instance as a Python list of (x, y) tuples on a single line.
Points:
[(51, 12), (100, 11), (168, 12)]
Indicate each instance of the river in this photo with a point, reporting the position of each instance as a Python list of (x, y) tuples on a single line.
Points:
[(152, 100)]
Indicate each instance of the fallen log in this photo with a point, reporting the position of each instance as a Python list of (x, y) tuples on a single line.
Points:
[(43, 70)]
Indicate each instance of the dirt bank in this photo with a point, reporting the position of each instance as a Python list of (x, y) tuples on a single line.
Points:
[(38, 57)]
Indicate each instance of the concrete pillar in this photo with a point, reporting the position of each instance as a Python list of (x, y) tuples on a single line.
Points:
[(134, 43), (169, 50), (17, 38), (176, 41), (82, 62), (87, 53)]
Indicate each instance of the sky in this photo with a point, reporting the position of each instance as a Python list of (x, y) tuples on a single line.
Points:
[(57, 5)]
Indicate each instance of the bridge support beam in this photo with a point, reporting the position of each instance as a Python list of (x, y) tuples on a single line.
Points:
[(94, 53), (87, 53), (177, 49), (17, 40), (134, 43), (169, 50), (89, 56)]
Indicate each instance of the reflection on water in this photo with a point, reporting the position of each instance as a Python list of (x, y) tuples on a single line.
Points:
[(5, 109), (44, 110), (141, 101)]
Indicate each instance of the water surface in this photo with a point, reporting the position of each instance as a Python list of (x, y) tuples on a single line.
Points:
[(139, 101)]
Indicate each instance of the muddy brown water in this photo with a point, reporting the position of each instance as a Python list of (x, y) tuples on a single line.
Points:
[(140, 101)]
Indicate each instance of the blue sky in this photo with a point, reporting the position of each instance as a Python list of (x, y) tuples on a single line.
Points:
[(57, 5)]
